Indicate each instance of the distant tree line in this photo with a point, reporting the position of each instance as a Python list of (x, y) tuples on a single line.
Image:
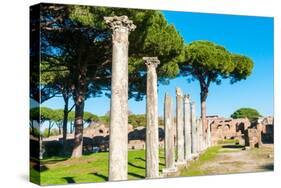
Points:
[(54, 118), (250, 113)]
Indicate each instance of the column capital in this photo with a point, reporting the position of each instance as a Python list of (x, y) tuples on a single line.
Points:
[(120, 23), (179, 92), (186, 98), (151, 61)]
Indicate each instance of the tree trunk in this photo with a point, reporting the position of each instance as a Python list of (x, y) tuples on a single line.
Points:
[(49, 130), (203, 98), (78, 124), (79, 99), (32, 128), (64, 125)]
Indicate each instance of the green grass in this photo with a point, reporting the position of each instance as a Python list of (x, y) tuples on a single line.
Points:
[(228, 141), (90, 168), (210, 154), (193, 169), (94, 167)]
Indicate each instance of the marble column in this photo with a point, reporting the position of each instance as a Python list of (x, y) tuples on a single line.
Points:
[(200, 135), (152, 138), (187, 128), (208, 134), (169, 136), (180, 122), (194, 142), (118, 141)]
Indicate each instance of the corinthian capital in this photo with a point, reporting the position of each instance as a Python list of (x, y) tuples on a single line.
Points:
[(120, 23), (179, 92), (151, 61)]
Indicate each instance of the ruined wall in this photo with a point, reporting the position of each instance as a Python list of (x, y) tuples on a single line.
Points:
[(225, 128)]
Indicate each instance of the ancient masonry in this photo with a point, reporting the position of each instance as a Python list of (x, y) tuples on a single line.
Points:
[(187, 128), (169, 136), (194, 134), (180, 128), (118, 143), (152, 161), (188, 137)]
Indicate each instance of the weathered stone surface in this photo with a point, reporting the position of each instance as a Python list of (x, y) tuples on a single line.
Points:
[(208, 143), (169, 136), (224, 128), (180, 122), (152, 160), (199, 135), (194, 134), (252, 137), (187, 128), (118, 143)]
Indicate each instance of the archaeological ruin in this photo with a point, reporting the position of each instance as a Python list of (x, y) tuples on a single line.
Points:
[(183, 136)]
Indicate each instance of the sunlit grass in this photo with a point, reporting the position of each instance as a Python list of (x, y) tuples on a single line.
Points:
[(91, 168)]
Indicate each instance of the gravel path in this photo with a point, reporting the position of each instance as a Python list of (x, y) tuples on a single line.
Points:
[(236, 160)]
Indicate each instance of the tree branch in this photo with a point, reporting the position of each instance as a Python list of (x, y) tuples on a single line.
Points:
[(71, 108)]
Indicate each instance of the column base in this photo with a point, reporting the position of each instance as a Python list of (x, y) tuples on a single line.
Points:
[(189, 159), (169, 171), (195, 156), (181, 164)]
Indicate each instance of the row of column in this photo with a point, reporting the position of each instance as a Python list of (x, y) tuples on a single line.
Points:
[(118, 142), (187, 135), (189, 132)]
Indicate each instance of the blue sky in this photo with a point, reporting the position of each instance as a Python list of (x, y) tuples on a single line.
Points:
[(247, 35)]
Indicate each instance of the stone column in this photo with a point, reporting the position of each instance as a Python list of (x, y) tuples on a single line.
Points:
[(152, 139), (187, 128), (208, 142), (200, 135), (194, 141), (180, 133), (169, 136), (118, 142)]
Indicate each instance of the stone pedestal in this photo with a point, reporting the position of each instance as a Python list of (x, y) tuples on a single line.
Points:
[(169, 136), (118, 142), (180, 122), (152, 138), (187, 128)]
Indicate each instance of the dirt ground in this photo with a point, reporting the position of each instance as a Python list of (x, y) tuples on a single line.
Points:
[(234, 159)]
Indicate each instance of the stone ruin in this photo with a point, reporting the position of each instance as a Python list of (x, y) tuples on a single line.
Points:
[(226, 128), (97, 136), (187, 137), (260, 132), (249, 134)]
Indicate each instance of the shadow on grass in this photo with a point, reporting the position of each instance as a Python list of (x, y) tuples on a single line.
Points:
[(69, 179), (140, 159), (105, 178), (40, 168), (133, 165), (269, 167), (161, 164), (53, 161), (135, 175), (233, 146)]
